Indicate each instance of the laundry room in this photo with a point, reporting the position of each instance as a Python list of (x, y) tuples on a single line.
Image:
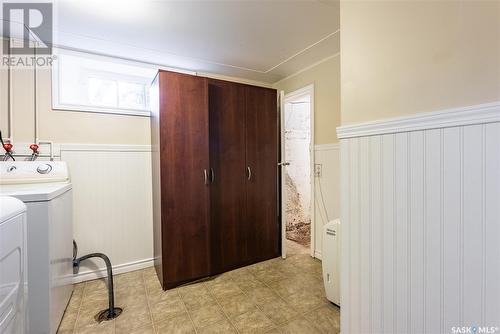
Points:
[(249, 166)]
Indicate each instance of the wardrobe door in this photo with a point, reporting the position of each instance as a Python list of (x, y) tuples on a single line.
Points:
[(262, 182), (227, 162), (184, 152)]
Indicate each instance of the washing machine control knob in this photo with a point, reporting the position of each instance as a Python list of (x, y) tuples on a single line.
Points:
[(44, 169)]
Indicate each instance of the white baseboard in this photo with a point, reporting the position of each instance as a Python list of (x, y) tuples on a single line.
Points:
[(118, 269), (317, 254)]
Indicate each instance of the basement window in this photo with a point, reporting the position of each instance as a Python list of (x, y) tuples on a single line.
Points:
[(90, 83)]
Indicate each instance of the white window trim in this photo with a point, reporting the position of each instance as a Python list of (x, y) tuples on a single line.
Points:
[(56, 105)]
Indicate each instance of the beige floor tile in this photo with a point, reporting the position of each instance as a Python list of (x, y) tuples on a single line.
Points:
[(159, 295), (278, 311), (294, 248), (96, 285), (222, 327), (217, 280), (133, 318), (105, 327), (127, 285), (287, 287), (238, 273), (297, 279), (74, 303), (132, 276), (148, 272), (194, 302), (269, 275), (304, 301), (192, 290), (252, 322), (224, 289), (261, 296), (64, 331), (133, 297), (258, 267), (96, 298), (299, 326), (79, 287), (68, 321), (141, 330), (167, 308), (180, 324), (236, 305), (152, 285), (86, 315), (207, 315), (247, 283), (325, 318)]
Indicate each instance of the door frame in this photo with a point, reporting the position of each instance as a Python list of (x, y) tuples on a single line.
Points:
[(309, 89)]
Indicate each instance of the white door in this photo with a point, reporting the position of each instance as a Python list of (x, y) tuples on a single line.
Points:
[(283, 163)]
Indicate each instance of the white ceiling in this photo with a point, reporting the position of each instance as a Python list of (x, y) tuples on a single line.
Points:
[(257, 40)]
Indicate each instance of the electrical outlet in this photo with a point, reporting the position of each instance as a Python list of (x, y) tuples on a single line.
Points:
[(318, 170)]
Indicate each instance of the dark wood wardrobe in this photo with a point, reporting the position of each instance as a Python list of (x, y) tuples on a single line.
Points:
[(215, 176)]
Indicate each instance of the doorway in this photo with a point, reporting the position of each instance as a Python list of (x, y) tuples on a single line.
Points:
[(297, 186)]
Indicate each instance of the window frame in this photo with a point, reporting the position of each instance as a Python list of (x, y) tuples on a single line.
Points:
[(55, 85)]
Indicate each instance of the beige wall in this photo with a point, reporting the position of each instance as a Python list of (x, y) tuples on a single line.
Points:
[(405, 57), (95, 128), (326, 79), (65, 126)]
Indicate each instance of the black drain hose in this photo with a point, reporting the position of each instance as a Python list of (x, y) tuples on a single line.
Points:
[(112, 312)]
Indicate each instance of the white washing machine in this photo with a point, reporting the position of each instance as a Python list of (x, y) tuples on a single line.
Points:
[(13, 283), (45, 189)]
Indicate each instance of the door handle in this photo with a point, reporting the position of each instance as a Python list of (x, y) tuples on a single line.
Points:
[(249, 173), (283, 164), (205, 176), (212, 175)]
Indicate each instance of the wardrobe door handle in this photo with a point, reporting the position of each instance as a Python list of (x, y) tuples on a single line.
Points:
[(249, 175), (205, 176), (212, 175)]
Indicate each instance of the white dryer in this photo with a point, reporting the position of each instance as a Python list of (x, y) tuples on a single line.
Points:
[(45, 189), (13, 283)]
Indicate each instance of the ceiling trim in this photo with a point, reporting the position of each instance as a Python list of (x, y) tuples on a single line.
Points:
[(170, 68), (304, 50), (235, 79), (307, 68), (133, 60), (201, 59)]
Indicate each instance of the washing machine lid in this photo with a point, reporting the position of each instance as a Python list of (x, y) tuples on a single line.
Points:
[(10, 207), (38, 192)]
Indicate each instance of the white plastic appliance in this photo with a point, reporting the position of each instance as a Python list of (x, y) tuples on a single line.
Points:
[(330, 259), (12, 266), (45, 189)]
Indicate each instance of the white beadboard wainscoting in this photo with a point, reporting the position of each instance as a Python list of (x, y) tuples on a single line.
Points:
[(327, 191), (112, 205), (421, 222)]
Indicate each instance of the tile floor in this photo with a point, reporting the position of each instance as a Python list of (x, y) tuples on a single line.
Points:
[(275, 296), (294, 248)]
